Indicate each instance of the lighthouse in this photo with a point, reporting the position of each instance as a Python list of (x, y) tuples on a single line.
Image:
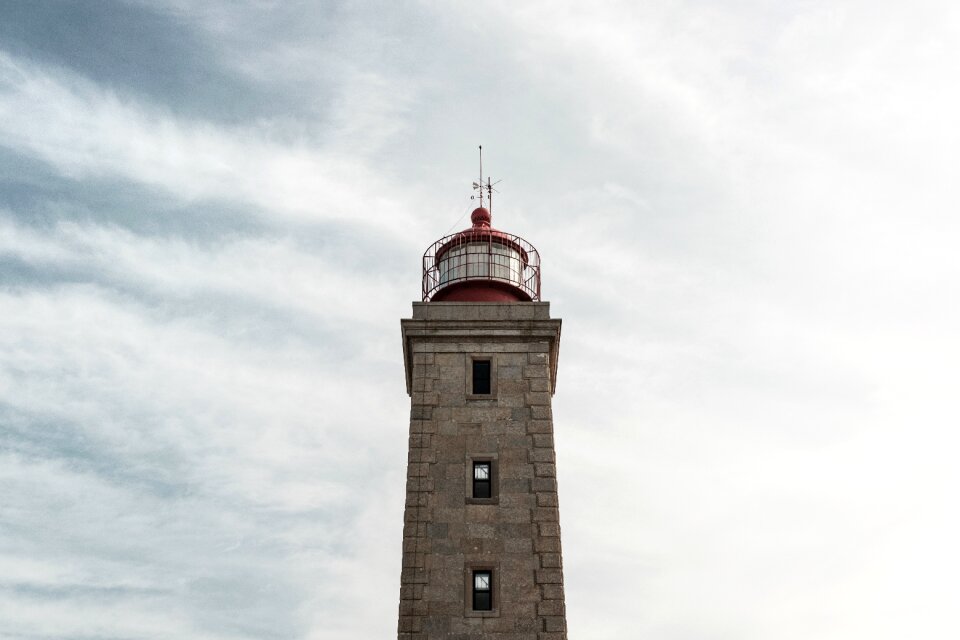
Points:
[(481, 534)]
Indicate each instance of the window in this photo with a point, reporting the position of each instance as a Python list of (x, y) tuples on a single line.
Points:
[(481, 477), (482, 480), (481, 377), (483, 590)]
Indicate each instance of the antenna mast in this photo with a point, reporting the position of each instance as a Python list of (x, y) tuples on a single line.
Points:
[(479, 185)]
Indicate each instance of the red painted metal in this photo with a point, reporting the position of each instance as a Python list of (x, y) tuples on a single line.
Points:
[(485, 290), (480, 217), (481, 264)]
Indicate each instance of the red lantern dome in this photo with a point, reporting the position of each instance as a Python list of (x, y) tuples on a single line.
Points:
[(481, 264)]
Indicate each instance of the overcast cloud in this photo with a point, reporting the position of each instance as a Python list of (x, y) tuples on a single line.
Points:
[(211, 221)]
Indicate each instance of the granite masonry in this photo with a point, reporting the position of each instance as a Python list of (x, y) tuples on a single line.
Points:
[(488, 566)]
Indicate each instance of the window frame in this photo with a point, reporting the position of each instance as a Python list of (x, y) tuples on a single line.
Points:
[(469, 570), (479, 365), (492, 459), (481, 357), (482, 483), (477, 593)]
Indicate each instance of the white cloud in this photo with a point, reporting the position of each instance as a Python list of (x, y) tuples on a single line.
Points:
[(156, 419), (256, 271)]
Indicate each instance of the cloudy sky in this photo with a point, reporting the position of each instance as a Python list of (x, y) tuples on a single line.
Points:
[(211, 221)]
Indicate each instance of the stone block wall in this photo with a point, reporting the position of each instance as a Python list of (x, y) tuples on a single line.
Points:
[(446, 534)]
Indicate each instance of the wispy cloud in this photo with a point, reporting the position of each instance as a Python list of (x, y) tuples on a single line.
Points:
[(86, 131)]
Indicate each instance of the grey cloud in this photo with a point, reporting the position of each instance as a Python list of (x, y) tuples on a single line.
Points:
[(139, 52)]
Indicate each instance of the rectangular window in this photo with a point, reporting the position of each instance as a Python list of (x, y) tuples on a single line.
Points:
[(482, 480), (483, 590), (481, 377)]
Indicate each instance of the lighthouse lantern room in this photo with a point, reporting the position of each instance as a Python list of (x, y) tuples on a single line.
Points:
[(481, 264)]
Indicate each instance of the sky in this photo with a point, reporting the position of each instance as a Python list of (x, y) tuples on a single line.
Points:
[(212, 216)]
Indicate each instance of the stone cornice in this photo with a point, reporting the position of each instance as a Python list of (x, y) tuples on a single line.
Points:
[(481, 323)]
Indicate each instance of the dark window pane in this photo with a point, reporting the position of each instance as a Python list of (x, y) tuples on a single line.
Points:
[(481, 488), (481, 377)]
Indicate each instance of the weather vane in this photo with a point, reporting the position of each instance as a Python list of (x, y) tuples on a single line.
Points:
[(480, 187)]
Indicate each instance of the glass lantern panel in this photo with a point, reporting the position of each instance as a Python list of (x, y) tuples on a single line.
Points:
[(481, 260)]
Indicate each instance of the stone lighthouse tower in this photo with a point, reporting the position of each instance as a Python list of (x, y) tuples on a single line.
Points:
[(481, 535)]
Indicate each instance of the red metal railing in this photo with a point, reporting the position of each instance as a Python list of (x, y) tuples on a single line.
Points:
[(481, 254)]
